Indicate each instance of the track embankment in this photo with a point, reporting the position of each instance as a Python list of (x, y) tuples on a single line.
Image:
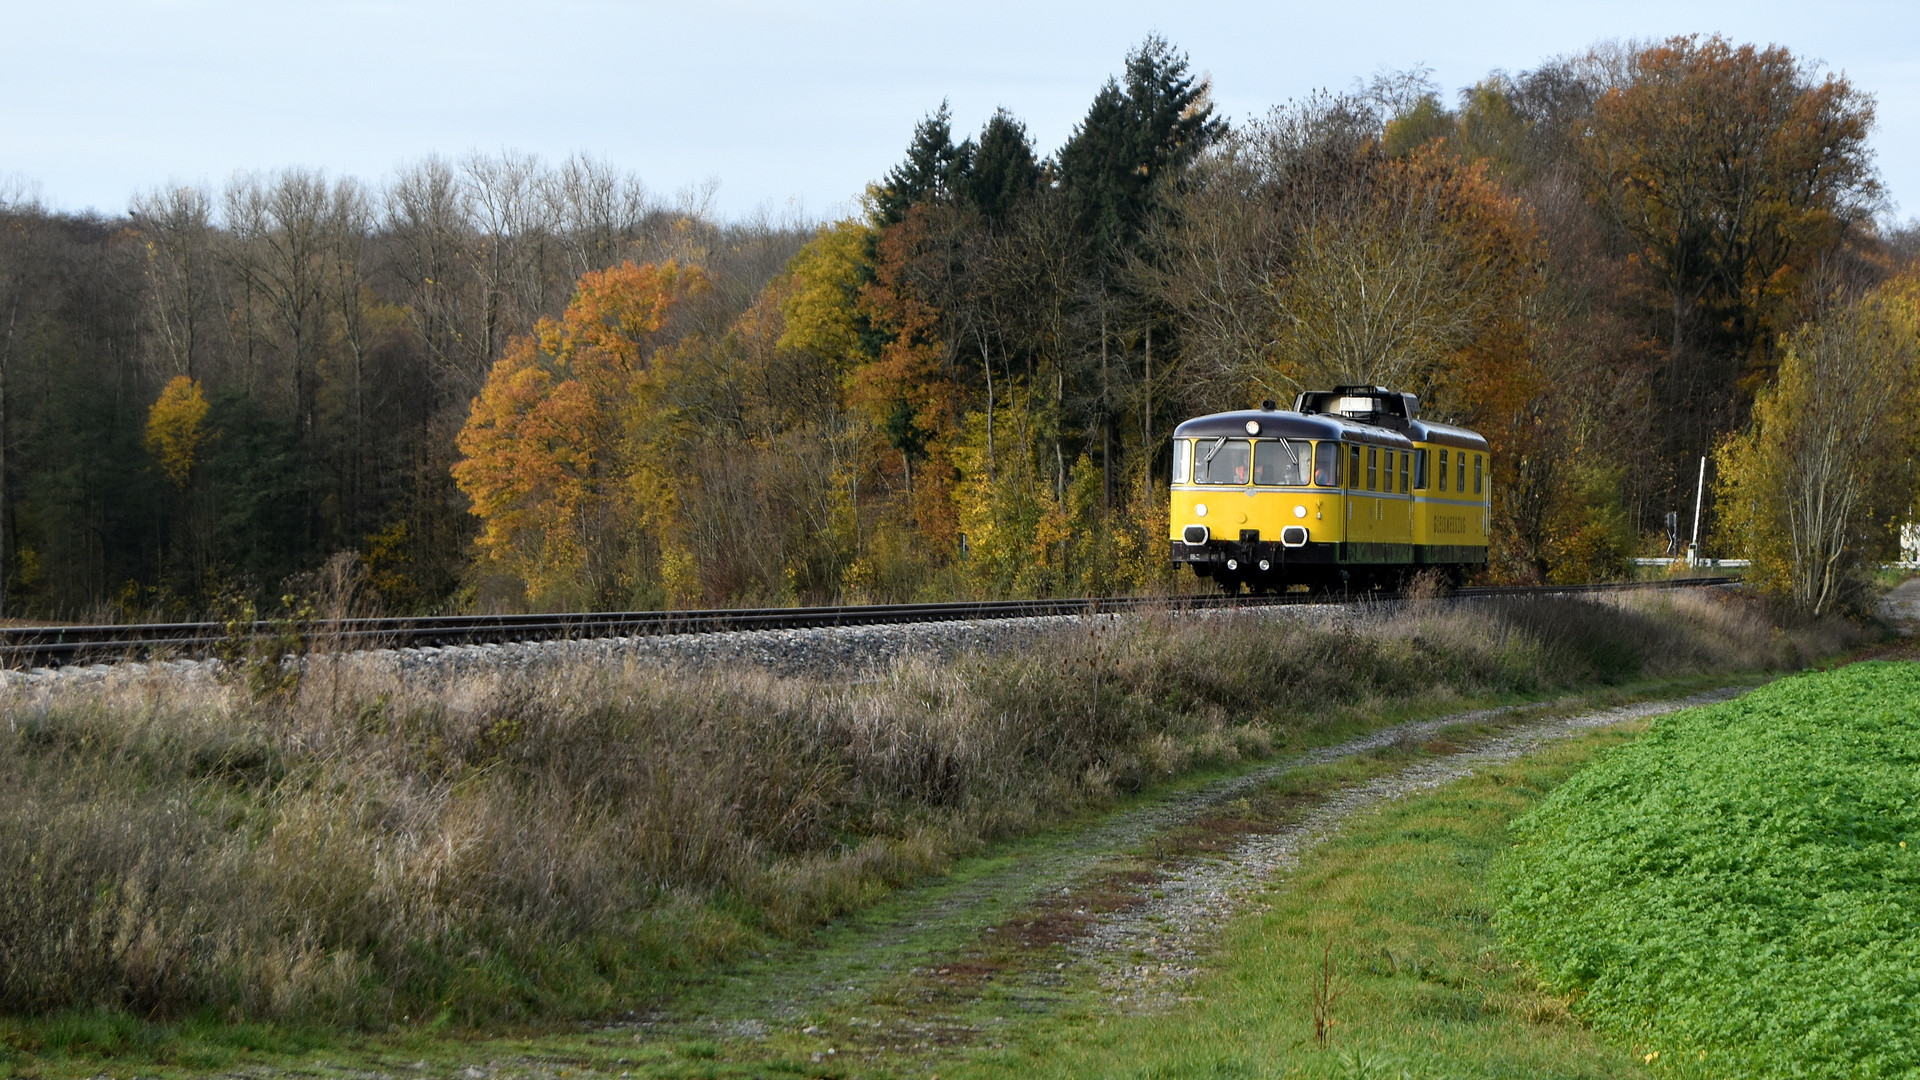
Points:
[(29, 647)]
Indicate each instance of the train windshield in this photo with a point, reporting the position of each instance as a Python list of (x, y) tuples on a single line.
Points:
[(1282, 461), (1220, 461)]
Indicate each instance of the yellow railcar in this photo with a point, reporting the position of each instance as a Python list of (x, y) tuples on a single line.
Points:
[(1348, 490)]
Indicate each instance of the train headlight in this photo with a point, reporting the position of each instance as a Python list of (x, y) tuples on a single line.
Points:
[(1199, 509), (1299, 511)]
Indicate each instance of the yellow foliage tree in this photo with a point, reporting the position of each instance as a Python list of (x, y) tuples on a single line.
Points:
[(547, 457), (820, 308), (1815, 489), (1015, 526), (176, 428)]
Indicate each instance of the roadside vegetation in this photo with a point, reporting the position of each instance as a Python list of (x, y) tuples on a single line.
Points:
[(1735, 889), (356, 851)]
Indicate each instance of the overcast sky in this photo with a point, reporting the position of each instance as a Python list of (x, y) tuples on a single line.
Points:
[(790, 107)]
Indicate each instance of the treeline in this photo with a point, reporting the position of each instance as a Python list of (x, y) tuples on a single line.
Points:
[(206, 399), (503, 385)]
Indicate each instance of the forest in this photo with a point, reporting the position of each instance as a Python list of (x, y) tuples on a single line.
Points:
[(497, 383)]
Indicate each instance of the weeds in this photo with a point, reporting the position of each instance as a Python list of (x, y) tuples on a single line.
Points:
[(1326, 991), (573, 840)]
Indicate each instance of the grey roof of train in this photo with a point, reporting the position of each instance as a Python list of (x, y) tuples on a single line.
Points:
[(1283, 423)]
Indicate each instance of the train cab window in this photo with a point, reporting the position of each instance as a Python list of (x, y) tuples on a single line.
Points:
[(1282, 461), (1405, 464), (1182, 457), (1326, 464), (1476, 474), (1354, 476), (1461, 487), (1420, 470), (1220, 461), (1443, 470)]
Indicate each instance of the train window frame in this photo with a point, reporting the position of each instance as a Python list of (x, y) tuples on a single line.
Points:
[(1373, 468), (1405, 467), (1476, 473), (1420, 478), (1297, 465), (1218, 445), (1326, 463), (1461, 485), (1443, 470), (1353, 466), (1182, 460)]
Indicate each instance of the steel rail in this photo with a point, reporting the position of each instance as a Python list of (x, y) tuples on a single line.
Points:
[(47, 646)]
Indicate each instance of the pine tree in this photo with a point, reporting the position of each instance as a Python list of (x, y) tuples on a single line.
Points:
[(933, 164), (1134, 134), (1003, 168)]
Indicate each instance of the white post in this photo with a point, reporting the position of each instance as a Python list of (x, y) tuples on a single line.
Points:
[(1699, 493)]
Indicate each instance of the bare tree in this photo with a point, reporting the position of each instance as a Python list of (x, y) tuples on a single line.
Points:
[(427, 216), (517, 258), (284, 230), (351, 219), (182, 286), (597, 210)]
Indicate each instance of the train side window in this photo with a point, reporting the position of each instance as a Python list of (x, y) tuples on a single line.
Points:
[(1461, 486), (1420, 470), (1443, 470), (1405, 465), (1373, 468), (1353, 468), (1220, 461), (1476, 474), (1326, 464), (1182, 457)]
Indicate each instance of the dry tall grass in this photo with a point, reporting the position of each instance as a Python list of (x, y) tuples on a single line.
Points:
[(562, 842)]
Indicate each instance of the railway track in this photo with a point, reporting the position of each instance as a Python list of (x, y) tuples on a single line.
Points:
[(53, 646)]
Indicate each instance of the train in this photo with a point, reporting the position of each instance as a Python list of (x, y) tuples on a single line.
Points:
[(1348, 491)]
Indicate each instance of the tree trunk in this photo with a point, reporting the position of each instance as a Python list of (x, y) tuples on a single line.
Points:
[(986, 365), (1106, 425)]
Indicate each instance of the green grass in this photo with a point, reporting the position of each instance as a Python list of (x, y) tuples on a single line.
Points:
[(1423, 989), (1741, 887)]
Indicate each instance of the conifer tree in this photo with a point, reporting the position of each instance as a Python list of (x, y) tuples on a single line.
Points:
[(1003, 167), (1135, 133), (933, 163)]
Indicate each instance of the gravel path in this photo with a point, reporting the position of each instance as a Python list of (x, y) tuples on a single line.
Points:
[(1902, 606), (1146, 952)]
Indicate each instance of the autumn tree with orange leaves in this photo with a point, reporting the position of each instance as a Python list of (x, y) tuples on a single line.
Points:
[(547, 455), (1735, 171)]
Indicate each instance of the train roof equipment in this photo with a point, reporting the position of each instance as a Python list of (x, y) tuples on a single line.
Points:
[(1361, 414)]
